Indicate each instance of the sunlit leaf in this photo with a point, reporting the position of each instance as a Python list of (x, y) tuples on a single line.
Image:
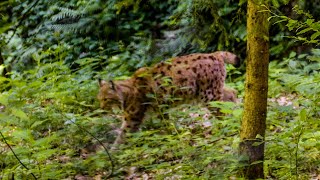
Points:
[(19, 113)]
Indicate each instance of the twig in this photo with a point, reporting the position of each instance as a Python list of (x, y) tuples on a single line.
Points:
[(105, 149), (5, 141)]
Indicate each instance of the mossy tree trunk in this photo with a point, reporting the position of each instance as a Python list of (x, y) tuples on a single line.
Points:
[(256, 89), (4, 72)]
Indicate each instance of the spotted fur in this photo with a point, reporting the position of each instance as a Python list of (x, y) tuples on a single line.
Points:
[(192, 77)]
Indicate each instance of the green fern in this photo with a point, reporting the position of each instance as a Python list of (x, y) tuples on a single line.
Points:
[(67, 13)]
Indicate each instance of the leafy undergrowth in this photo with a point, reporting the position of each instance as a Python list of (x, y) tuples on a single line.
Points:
[(188, 144), (46, 113)]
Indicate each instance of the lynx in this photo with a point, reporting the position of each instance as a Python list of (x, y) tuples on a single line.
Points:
[(229, 95), (197, 77)]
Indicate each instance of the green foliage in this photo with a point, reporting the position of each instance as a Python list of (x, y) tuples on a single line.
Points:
[(306, 31), (36, 120), (293, 116), (44, 102), (60, 47), (196, 19), (185, 145)]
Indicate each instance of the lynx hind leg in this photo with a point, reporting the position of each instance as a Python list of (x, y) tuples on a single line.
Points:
[(227, 95)]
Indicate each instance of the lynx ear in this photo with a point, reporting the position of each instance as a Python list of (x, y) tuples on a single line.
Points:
[(112, 85), (102, 82), (119, 91)]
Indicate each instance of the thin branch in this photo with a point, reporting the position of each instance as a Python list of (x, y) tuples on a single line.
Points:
[(5, 141), (21, 20), (105, 149)]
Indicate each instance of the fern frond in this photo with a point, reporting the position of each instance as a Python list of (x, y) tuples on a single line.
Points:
[(66, 13), (70, 20)]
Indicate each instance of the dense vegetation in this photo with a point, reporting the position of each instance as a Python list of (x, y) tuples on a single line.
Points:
[(53, 52)]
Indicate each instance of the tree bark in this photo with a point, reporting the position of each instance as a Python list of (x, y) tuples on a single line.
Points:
[(256, 90), (4, 72)]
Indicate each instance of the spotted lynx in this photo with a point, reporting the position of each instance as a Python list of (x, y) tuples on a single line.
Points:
[(192, 77)]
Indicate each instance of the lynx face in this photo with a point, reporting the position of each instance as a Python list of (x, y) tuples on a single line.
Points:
[(108, 95)]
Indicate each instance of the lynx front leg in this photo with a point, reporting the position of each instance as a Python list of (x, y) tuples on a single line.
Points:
[(127, 126), (121, 135), (213, 94), (131, 123)]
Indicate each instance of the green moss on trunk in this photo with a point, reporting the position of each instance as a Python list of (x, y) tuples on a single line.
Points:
[(256, 89)]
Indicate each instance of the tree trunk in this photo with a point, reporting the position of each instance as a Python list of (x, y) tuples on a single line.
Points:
[(4, 72), (256, 90)]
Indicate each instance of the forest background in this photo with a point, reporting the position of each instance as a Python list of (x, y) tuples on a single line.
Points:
[(53, 52)]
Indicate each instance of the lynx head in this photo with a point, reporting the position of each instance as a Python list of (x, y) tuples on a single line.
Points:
[(230, 95), (228, 57), (109, 94)]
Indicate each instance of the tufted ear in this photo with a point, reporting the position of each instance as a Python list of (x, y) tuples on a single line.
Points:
[(113, 87), (102, 82)]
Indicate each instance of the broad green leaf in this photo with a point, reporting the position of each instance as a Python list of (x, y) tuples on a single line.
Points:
[(37, 123), (301, 56), (315, 35), (275, 3), (237, 112), (304, 31), (44, 154), (45, 142), (4, 99), (292, 54), (258, 136), (292, 64), (22, 135), (242, 2), (256, 162), (292, 24), (19, 113), (257, 143), (303, 115), (309, 21)]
